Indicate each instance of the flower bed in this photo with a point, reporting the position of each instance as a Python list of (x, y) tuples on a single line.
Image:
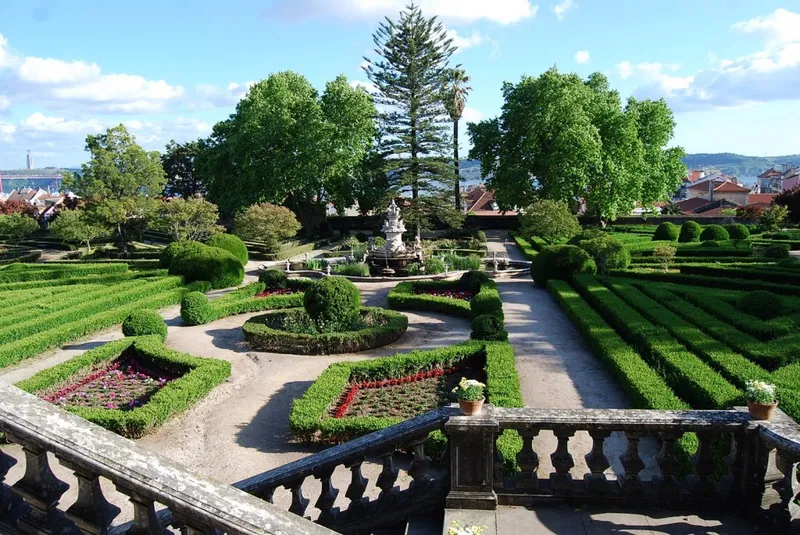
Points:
[(289, 332), (276, 291), (197, 309), (450, 293), (164, 382)]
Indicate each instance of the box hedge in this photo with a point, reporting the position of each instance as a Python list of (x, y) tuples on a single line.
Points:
[(197, 309)]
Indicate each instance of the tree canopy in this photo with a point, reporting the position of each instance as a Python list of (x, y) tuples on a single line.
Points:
[(567, 139), (178, 162)]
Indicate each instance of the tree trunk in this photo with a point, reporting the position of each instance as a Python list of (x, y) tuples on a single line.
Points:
[(457, 188)]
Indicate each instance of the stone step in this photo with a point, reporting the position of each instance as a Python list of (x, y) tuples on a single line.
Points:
[(424, 525), (470, 517)]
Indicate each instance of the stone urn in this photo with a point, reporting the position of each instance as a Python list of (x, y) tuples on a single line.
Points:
[(471, 408), (761, 411)]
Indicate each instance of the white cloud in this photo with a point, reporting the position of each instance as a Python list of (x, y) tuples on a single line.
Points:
[(499, 11), (7, 132), (562, 8), (5, 103), (366, 86), (40, 123), (55, 71), (780, 27), (463, 43), (471, 115), (582, 56), (212, 96)]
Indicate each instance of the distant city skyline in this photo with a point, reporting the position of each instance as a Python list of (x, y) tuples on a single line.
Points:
[(728, 68)]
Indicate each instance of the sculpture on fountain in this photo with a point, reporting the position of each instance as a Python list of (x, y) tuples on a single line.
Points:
[(394, 229), (393, 256)]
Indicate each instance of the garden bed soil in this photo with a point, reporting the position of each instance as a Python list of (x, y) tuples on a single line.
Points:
[(464, 295)]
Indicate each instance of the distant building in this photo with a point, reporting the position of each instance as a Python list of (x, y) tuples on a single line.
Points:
[(777, 180), (30, 160), (480, 201)]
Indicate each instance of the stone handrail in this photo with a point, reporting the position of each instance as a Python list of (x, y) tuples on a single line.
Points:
[(198, 504)]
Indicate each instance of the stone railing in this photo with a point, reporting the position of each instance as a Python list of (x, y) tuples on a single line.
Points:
[(758, 476)]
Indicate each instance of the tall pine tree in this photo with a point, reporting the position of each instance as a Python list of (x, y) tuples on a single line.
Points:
[(410, 74)]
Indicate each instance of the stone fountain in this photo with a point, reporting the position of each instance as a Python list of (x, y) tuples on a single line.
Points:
[(394, 257)]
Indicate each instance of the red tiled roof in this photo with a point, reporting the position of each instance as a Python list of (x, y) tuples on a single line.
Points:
[(758, 198), (704, 185), (759, 204), (694, 175), (730, 187), (771, 173), (690, 205)]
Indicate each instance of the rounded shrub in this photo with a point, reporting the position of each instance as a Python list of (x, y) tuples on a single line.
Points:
[(177, 248), (434, 265), (199, 286), (761, 304), (586, 235), (710, 243), (488, 327), (714, 233), (737, 231), (690, 232), (473, 279), (144, 323), (273, 279), (775, 251), (480, 236), (666, 232), (607, 253), (332, 302), (560, 262), (196, 262), (196, 309), (232, 244)]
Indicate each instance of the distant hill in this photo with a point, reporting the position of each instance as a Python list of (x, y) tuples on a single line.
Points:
[(744, 167)]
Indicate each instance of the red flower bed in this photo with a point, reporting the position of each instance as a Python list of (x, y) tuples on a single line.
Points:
[(124, 384), (465, 295), (276, 291)]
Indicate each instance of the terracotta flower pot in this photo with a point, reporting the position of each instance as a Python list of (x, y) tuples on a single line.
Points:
[(761, 411), (471, 408)]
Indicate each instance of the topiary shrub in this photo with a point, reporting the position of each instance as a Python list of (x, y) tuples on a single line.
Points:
[(710, 243), (560, 262), (690, 232), (761, 304), (232, 244), (175, 248), (199, 286), (196, 309), (586, 235), (273, 279), (488, 327), (472, 280), (434, 265), (737, 231), (666, 232), (332, 302), (480, 236), (144, 323), (607, 253), (201, 262), (714, 233), (775, 251)]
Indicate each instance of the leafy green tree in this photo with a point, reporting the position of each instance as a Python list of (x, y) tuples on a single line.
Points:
[(179, 166), (75, 226), (410, 76), (371, 184), (455, 100), (125, 217), (550, 220), (266, 223), (17, 226), (563, 138), (192, 219), (773, 217)]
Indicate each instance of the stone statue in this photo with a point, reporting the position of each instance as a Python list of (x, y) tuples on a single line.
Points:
[(370, 244), (394, 229)]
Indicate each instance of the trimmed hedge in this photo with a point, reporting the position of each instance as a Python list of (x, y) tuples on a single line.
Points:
[(310, 419), (196, 261), (560, 262), (332, 302), (761, 304), (528, 249), (196, 309), (232, 244), (708, 281), (488, 327), (737, 231), (42, 272), (273, 278), (776, 276), (264, 338), (200, 376), (690, 232), (666, 232), (714, 233), (144, 323)]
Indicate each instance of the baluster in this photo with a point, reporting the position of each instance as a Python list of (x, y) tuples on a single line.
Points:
[(787, 509), (197, 527), (357, 487), (40, 489), (528, 462), (268, 495), (388, 477), (299, 501), (418, 469), (632, 463), (91, 511), (327, 497), (596, 460), (561, 481), (704, 487), (6, 462), (668, 465), (145, 521)]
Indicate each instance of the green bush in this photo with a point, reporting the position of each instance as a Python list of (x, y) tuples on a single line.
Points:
[(404, 297), (173, 249), (788, 263), (488, 327), (198, 286), (487, 301), (690, 232), (196, 261), (775, 251), (434, 265), (560, 262), (480, 236), (196, 309), (473, 280), (737, 231), (352, 269), (586, 235), (761, 304), (331, 302), (714, 233), (666, 232), (607, 253), (273, 279), (361, 237), (232, 244), (710, 243), (144, 323)]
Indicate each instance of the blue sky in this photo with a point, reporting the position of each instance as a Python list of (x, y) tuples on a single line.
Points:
[(729, 68)]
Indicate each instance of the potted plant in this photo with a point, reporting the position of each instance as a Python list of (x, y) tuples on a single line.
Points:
[(457, 528), (470, 396), (761, 400)]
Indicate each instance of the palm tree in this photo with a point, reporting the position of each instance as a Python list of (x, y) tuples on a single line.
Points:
[(455, 99)]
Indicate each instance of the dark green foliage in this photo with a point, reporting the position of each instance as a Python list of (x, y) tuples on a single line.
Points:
[(331, 302), (232, 244), (197, 311), (361, 237), (710, 243), (49, 272), (144, 323), (473, 280), (488, 327), (480, 236), (273, 279), (761, 304), (788, 263), (714, 233), (434, 265), (487, 301), (389, 327), (586, 235), (666, 232), (198, 286), (200, 376), (560, 262), (775, 251), (765, 274), (174, 249), (607, 253), (709, 281), (195, 261), (352, 269), (690, 232), (404, 297), (737, 231)]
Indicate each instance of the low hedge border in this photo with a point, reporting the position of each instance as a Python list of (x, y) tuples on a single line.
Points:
[(76, 281), (707, 281), (27, 255), (310, 418), (264, 338), (752, 273), (200, 376), (36, 272), (528, 249)]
